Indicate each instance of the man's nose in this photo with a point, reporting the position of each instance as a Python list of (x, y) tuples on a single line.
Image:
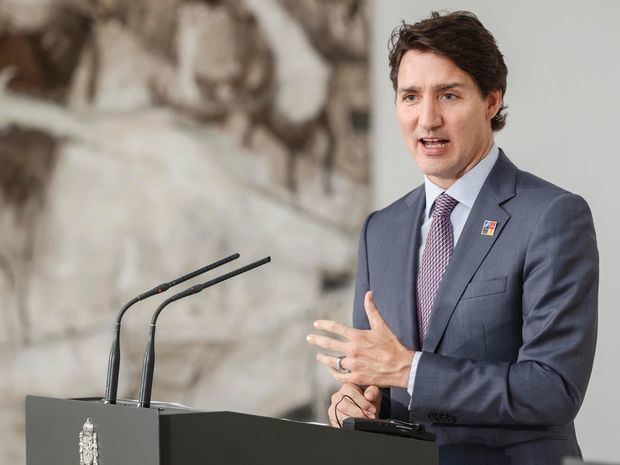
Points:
[(430, 115)]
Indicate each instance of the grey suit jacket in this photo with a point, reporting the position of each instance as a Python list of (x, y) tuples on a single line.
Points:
[(510, 344)]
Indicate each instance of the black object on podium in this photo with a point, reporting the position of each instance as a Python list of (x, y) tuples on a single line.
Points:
[(89, 432)]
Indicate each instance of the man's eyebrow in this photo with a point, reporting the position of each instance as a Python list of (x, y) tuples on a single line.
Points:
[(442, 86), (448, 86)]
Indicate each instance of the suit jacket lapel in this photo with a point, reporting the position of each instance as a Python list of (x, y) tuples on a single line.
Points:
[(472, 246), (408, 239)]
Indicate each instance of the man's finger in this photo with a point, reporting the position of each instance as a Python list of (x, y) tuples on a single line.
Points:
[(349, 394), (372, 393), (342, 413), (330, 362), (351, 391), (336, 328), (340, 376), (326, 342), (332, 417), (372, 312), (350, 408), (336, 417)]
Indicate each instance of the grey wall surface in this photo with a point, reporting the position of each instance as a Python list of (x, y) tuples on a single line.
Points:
[(563, 99)]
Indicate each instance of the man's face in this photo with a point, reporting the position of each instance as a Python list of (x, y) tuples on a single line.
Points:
[(443, 118)]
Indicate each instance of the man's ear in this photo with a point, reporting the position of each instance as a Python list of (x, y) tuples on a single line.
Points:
[(494, 102)]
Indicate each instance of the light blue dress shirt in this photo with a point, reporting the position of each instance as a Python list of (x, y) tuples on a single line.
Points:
[(464, 190)]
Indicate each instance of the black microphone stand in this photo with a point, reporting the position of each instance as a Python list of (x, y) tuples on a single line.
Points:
[(148, 367), (114, 359)]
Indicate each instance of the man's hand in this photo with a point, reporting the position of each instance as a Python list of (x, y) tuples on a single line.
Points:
[(343, 403), (373, 357)]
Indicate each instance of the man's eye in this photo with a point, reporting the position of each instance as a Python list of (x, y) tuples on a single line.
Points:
[(410, 98), (449, 97)]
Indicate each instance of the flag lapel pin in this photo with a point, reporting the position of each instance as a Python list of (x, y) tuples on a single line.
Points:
[(488, 228)]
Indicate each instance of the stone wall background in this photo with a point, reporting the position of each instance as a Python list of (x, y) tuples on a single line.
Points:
[(140, 140)]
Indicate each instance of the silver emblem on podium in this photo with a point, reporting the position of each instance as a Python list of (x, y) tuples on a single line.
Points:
[(89, 448)]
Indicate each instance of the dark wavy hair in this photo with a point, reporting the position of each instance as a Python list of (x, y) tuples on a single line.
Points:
[(462, 38)]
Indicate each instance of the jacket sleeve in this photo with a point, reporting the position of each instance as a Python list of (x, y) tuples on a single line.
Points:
[(547, 383)]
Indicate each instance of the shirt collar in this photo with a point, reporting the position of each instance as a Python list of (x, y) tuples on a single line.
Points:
[(466, 188)]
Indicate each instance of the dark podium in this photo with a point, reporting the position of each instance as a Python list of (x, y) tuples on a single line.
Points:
[(88, 431)]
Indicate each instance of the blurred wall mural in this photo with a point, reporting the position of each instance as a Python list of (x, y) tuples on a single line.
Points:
[(140, 140)]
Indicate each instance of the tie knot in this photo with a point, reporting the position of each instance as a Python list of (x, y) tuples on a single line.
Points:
[(444, 204)]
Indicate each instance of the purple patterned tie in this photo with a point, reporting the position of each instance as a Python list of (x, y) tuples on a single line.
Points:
[(435, 259)]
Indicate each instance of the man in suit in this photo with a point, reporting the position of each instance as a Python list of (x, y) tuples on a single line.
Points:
[(476, 296)]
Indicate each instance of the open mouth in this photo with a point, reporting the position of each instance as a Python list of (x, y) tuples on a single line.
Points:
[(434, 142)]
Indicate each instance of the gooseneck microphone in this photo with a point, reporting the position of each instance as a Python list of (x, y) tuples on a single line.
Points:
[(111, 386), (146, 380)]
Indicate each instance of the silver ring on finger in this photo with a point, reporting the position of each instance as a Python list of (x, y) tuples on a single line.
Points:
[(339, 367)]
